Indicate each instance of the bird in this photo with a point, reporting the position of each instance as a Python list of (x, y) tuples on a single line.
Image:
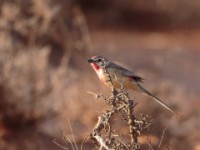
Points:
[(116, 76)]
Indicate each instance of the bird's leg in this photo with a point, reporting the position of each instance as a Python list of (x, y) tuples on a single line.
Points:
[(114, 92)]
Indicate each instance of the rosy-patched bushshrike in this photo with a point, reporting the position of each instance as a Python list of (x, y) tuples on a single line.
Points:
[(115, 76)]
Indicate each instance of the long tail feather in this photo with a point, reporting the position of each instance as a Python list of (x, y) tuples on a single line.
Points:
[(155, 98)]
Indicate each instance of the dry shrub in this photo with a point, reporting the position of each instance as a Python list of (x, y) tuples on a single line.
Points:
[(38, 42)]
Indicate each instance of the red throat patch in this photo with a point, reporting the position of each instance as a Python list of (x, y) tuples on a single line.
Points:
[(95, 66)]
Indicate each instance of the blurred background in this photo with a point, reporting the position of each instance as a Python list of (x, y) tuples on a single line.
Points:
[(44, 74)]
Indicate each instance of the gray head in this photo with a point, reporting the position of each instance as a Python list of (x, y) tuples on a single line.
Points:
[(99, 61)]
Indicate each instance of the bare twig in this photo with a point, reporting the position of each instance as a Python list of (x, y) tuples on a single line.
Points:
[(59, 145), (96, 134), (66, 140), (149, 143), (84, 142), (97, 96), (163, 133), (72, 135)]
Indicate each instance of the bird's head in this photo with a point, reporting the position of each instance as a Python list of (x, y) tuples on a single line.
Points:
[(98, 62)]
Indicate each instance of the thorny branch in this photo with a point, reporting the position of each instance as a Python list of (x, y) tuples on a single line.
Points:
[(104, 135)]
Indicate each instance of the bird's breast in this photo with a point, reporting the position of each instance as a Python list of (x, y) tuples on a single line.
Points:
[(106, 77), (102, 75)]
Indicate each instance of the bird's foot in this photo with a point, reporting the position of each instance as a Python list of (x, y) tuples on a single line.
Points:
[(114, 92)]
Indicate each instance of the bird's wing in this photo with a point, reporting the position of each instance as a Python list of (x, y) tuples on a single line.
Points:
[(126, 72)]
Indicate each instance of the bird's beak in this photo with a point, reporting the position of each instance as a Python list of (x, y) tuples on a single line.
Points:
[(90, 61)]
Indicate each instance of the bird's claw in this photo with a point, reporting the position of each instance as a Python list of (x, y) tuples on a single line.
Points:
[(114, 92)]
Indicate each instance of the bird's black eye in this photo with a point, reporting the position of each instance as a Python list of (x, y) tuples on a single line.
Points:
[(99, 60)]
